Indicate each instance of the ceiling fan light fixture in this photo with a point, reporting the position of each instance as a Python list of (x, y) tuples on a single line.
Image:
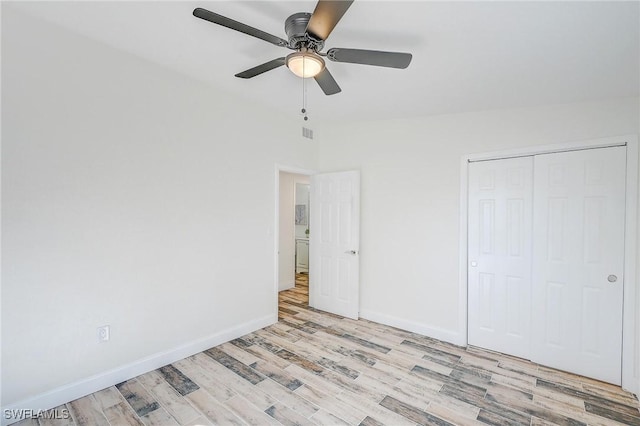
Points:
[(305, 63)]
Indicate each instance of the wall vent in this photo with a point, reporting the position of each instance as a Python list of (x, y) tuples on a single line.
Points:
[(307, 133)]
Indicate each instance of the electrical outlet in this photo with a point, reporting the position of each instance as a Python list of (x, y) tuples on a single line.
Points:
[(104, 333)]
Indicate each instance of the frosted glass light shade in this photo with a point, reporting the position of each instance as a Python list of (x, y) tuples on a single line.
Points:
[(305, 64)]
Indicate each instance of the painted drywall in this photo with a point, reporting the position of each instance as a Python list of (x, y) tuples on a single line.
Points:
[(287, 228), (410, 171), (302, 199), (132, 196)]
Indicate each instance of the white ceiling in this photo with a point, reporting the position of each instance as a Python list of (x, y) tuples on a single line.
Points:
[(467, 56)]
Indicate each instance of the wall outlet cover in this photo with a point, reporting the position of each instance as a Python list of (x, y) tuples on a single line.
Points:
[(104, 333)]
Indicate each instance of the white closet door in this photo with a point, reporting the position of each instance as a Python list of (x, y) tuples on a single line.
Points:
[(579, 217), (499, 232)]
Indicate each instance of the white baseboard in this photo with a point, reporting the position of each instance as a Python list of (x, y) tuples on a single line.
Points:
[(414, 327), (72, 391)]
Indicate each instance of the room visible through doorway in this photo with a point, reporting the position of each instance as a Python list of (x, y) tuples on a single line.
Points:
[(293, 242), (292, 300)]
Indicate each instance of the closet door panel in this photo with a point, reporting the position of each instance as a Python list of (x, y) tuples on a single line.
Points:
[(578, 252), (499, 271)]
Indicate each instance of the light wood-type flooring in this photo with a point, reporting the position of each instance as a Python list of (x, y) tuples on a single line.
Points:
[(313, 368)]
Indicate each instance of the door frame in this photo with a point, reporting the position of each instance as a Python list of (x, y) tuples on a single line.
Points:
[(630, 328), (276, 226)]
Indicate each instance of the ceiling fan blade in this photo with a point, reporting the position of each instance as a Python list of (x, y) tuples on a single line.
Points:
[(327, 83), (370, 57), (267, 66), (325, 17), (238, 26)]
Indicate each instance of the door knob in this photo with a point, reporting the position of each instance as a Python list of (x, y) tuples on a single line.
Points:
[(612, 278), (352, 252)]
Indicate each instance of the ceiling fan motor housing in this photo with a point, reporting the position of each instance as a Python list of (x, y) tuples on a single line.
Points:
[(296, 28)]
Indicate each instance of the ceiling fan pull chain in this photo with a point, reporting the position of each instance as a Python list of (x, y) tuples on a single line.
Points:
[(304, 94)]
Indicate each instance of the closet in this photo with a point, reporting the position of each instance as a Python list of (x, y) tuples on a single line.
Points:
[(545, 252)]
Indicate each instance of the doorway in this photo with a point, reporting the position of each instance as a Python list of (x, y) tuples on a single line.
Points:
[(332, 239), (293, 242)]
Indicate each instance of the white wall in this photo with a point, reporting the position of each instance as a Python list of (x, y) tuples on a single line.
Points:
[(410, 171), (302, 198), (132, 196), (287, 229)]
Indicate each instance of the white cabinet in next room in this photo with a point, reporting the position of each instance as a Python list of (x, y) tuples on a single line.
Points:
[(302, 255)]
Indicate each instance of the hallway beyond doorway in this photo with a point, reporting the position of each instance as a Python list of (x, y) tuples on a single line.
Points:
[(296, 297)]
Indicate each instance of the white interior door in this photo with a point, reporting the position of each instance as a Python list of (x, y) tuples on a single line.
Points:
[(334, 243), (499, 253), (577, 291)]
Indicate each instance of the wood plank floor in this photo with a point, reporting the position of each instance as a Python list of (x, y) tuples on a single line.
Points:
[(320, 369)]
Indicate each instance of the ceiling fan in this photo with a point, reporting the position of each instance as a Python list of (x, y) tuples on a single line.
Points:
[(307, 33)]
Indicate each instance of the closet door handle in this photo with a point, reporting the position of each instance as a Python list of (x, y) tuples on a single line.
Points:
[(612, 278)]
